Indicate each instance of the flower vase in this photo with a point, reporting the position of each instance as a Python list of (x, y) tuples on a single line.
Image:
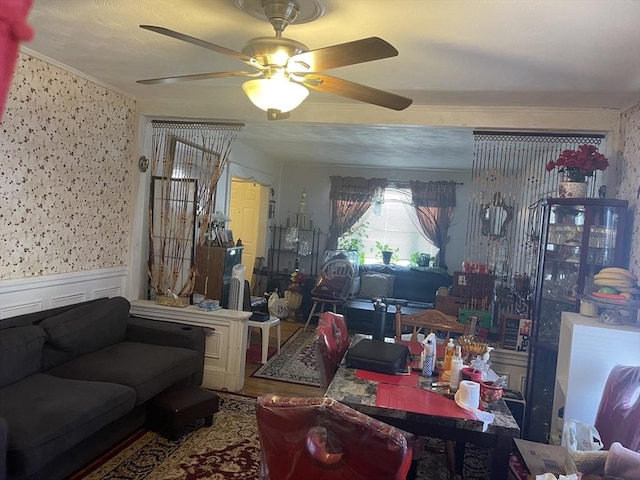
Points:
[(293, 299), (572, 189)]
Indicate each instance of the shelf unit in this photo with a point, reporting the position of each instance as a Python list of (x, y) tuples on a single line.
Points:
[(294, 247), (587, 352), (577, 237)]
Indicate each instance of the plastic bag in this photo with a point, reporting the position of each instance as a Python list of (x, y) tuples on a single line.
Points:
[(580, 437), (277, 306)]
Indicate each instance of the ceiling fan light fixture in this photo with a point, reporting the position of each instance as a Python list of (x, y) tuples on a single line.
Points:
[(275, 93)]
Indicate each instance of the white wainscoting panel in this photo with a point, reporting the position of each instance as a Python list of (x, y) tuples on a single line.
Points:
[(33, 294), (513, 364)]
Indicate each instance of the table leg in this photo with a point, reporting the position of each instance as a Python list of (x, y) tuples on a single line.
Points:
[(459, 455), (265, 342), (500, 458)]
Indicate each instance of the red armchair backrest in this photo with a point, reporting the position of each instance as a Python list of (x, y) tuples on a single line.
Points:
[(340, 331), (309, 438), (332, 344), (325, 354), (618, 417)]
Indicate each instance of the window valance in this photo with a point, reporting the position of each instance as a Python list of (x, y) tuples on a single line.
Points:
[(433, 194), (355, 189)]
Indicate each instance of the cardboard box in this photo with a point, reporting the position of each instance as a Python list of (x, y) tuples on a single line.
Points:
[(472, 285), (541, 458), (514, 332)]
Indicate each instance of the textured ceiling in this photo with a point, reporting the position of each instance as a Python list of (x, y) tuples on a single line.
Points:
[(555, 53)]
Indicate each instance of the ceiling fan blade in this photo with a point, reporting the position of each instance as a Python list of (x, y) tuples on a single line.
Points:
[(202, 43), (350, 53), (356, 91), (197, 76)]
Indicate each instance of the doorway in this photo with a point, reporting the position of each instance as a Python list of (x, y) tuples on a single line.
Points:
[(248, 211)]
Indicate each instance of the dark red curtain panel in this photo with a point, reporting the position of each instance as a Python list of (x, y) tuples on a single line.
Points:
[(13, 30)]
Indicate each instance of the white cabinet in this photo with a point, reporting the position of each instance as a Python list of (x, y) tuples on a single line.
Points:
[(226, 339), (587, 352)]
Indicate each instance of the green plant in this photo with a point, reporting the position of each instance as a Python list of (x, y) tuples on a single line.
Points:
[(353, 239), (383, 247), (420, 259)]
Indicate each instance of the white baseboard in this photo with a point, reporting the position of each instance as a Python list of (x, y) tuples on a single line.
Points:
[(33, 294)]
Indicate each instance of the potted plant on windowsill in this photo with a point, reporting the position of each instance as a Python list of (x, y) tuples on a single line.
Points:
[(385, 252), (353, 239), (420, 259)]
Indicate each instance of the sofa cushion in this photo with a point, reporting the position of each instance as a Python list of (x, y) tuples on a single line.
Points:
[(83, 330), (47, 415), (147, 368), (376, 285), (20, 352)]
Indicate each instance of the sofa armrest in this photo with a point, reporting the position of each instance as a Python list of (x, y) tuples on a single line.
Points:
[(169, 334), (4, 444)]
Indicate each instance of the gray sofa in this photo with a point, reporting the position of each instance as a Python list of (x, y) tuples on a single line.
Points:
[(76, 380)]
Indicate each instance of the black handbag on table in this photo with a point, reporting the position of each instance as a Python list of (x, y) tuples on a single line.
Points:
[(378, 356)]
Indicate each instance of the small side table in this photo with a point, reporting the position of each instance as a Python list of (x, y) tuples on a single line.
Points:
[(265, 328)]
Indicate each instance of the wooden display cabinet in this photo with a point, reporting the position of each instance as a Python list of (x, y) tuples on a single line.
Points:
[(215, 265)]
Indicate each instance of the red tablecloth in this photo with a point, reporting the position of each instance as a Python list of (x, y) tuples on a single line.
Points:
[(419, 401), (406, 380)]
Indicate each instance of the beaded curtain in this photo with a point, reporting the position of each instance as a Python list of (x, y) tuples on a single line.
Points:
[(513, 165), (188, 161)]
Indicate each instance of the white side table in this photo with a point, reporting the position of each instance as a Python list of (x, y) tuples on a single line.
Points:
[(265, 328)]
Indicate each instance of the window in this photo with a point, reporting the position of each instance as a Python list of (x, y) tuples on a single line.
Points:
[(393, 227)]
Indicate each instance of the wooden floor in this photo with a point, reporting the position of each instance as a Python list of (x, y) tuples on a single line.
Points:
[(259, 386)]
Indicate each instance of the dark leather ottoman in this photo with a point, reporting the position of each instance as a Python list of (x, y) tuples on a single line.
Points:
[(172, 411)]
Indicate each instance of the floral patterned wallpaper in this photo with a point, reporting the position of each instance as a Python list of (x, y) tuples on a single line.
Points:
[(630, 184), (65, 184)]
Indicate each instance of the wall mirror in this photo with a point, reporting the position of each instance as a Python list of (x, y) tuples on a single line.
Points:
[(495, 217)]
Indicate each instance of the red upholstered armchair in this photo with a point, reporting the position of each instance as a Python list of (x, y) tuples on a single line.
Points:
[(332, 343), (618, 417), (320, 438)]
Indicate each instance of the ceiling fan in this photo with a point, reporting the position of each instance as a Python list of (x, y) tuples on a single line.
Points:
[(284, 69)]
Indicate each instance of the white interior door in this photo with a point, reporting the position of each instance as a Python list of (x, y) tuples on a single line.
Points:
[(248, 211)]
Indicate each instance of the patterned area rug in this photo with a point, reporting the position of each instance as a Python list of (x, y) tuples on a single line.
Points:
[(433, 462), (230, 450), (296, 362)]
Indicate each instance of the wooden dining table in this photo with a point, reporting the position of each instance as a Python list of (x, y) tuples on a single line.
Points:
[(412, 403)]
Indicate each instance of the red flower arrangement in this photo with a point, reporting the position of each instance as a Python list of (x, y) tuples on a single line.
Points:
[(580, 163), (298, 277), (297, 281)]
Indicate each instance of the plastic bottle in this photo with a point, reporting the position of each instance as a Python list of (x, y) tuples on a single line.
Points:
[(456, 366), (448, 354), (427, 367)]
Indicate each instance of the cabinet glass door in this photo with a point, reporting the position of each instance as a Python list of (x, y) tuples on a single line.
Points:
[(578, 241), (577, 237)]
